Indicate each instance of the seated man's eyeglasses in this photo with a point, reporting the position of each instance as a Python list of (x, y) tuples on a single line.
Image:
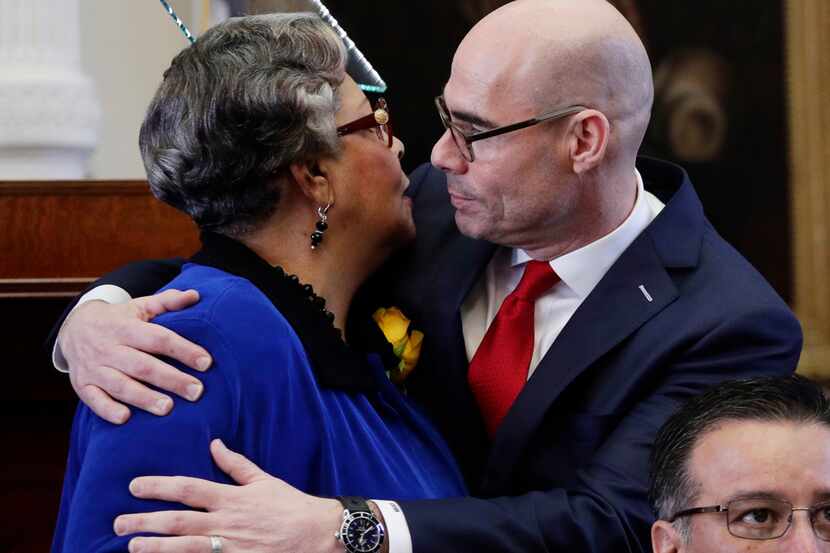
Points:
[(378, 120), (764, 519), (465, 140)]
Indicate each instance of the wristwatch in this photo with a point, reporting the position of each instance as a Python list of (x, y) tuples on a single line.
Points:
[(361, 531)]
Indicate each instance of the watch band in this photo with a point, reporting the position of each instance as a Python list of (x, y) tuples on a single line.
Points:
[(354, 504)]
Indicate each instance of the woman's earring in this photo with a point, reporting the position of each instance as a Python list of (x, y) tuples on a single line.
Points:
[(321, 226)]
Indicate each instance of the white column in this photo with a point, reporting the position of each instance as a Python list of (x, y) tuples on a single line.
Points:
[(49, 112)]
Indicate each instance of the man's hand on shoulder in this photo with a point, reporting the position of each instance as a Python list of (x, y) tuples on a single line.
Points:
[(110, 352)]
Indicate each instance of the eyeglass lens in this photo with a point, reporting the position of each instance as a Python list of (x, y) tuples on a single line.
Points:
[(384, 134), (763, 519), (460, 141)]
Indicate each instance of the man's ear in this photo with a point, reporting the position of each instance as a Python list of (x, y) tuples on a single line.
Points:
[(665, 538), (312, 178), (588, 133)]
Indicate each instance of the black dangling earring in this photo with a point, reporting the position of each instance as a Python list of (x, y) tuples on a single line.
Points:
[(321, 226)]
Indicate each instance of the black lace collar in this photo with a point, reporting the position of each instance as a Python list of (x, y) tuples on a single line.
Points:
[(335, 363)]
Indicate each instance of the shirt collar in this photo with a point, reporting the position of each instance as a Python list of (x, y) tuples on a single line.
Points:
[(582, 269)]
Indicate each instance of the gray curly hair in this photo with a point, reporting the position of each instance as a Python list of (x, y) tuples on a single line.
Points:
[(251, 96)]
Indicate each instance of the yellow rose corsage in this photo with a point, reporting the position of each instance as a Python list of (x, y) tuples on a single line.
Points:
[(405, 344)]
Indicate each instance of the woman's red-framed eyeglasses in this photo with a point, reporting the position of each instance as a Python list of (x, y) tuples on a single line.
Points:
[(378, 120)]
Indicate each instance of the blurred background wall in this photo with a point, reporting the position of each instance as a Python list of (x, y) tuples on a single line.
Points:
[(125, 47)]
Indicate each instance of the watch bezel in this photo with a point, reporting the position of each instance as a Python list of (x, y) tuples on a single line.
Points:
[(349, 518)]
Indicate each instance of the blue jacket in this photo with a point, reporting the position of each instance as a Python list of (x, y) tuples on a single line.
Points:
[(284, 390)]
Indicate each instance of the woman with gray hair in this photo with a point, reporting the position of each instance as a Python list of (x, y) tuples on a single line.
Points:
[(258, 134)]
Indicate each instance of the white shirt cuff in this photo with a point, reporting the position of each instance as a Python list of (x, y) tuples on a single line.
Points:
[(397, 530), (106, 292)]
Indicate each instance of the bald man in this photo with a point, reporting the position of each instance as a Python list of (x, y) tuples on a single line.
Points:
[(571, 296)]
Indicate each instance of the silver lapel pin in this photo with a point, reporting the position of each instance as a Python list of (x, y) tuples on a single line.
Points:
[(646, 294)]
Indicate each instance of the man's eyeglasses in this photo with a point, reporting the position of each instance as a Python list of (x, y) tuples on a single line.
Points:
[(764, 519), (378, 120), (464, 141)]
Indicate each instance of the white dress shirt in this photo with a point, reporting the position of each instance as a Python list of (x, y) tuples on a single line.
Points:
[(580, 271)]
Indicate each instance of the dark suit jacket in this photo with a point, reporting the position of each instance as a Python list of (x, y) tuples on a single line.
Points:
[(568, 469)]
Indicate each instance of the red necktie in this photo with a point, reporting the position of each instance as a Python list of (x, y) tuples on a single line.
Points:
[(498, 370)]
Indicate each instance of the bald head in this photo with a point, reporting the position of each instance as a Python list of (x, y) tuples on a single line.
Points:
[(546, 54)]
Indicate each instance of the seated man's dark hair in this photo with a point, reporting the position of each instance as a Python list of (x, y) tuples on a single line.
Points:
[(766, 399)]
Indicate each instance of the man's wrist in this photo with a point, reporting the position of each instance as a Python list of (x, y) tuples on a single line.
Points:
[(384, 548), (398, 537), (332, 523), (107, 293)]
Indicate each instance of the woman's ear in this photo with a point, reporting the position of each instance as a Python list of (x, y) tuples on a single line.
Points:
[(588, 134), (312, 178)]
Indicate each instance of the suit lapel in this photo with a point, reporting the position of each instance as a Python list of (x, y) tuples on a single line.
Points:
[(614, 310), (469, 262), (444, 294), (440, 381), (449, 265)]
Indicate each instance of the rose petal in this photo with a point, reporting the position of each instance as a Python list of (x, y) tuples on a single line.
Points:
[(392, 323)]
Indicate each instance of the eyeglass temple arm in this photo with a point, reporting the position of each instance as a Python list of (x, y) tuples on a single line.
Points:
[(367, 122), (522, 124), (696, 510)]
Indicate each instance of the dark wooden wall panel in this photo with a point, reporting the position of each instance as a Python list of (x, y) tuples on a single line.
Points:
[(55, 238)]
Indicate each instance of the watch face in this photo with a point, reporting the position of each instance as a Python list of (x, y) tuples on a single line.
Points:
[(363, 533)]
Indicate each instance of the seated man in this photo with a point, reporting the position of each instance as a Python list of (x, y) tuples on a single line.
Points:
[(744, 467)]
